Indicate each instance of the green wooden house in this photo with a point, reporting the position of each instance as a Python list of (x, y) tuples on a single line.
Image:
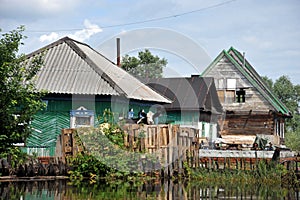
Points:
[(82, 84), (251, 107)]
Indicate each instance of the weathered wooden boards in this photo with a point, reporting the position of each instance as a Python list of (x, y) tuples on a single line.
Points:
[(172, 144)]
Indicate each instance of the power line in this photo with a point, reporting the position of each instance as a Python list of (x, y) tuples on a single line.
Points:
[(138, 22), (170, 16)]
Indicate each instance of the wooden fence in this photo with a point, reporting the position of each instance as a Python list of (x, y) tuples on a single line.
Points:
[(70, 146), (174, 145), (177, 145)]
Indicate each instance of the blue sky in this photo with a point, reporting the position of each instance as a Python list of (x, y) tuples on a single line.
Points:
[(267, 31)]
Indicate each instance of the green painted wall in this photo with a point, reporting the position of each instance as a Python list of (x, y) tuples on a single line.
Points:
[(48, 123), (181, 117)]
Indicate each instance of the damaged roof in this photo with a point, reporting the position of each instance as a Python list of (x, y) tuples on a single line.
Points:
[(189, 93), (72, 67)]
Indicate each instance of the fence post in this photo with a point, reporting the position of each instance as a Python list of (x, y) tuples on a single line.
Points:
[(170, 150)]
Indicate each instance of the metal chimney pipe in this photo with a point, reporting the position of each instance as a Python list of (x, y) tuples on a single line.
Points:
[(118, 53)]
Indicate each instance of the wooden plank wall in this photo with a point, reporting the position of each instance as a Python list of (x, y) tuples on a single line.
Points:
[(173, 144), (248, 124)]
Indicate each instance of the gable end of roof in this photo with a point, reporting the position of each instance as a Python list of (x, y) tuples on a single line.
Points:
[(265, 91)]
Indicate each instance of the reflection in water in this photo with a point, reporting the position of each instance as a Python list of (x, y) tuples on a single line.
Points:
[(167, 189)]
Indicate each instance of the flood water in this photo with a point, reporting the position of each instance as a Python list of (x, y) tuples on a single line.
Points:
[(140, 190)]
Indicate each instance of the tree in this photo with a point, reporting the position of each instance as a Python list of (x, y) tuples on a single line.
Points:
[(19, 100), (292, 140), (289, 94), (268, 82), (146, 65), (286, 92)]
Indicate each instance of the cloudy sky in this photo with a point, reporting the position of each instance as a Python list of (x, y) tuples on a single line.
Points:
[(189, 34)]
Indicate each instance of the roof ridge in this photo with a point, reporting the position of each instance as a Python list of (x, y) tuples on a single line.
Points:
[(55, 43), (72, 44), (100, 72)]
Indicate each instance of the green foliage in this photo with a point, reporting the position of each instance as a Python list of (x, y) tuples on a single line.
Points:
[(289, 94), (107, 117), (85, 165), (146, 65), (19, 99), (284, 89), (105, 155), (16, 156), (292, 140), (268, 82), (113, 132), (264, 173)]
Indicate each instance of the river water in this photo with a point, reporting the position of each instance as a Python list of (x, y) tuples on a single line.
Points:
[(154, 189)]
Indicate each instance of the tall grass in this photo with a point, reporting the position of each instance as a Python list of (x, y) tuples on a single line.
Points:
[(263, 174)]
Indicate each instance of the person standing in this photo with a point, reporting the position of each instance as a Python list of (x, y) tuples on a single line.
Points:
[(130, 113), (270, 147)]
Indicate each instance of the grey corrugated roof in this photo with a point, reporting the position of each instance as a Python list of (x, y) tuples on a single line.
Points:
[(188, 93), (71, 67)]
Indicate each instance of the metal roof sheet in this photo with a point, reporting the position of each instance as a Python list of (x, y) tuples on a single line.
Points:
[(133, 88), (188, 93), (71, 67)]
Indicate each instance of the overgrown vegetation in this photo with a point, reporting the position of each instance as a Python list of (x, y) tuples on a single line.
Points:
[(106, 155), (267, 174)]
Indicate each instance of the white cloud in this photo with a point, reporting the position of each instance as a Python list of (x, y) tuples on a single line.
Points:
[(84, 34), (80, 35), (49, 38)]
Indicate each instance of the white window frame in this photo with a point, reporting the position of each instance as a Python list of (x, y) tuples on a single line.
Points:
[(81, 112)]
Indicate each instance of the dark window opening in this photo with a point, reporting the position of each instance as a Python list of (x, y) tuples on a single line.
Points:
[(240, 96)]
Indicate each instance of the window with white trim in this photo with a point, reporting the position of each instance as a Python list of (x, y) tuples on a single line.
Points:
[(81, 117)]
